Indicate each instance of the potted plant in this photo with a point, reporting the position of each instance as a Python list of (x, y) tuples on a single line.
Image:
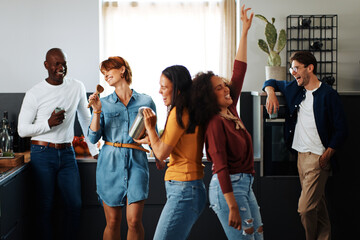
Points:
[(272, 47)]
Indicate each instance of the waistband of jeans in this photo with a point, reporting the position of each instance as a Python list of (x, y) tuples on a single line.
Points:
[(308, 153), (215, 176), (192, 182), (51, 145)]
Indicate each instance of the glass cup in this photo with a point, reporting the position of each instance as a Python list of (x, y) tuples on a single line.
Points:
[(58, 109), (274, 114)]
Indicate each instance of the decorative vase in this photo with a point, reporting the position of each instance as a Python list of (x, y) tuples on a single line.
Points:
[(275, 72)]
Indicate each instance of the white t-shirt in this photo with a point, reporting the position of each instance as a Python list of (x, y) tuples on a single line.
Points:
[(41, 100), (306, 136)]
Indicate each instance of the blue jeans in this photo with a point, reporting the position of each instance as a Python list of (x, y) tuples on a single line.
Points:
[(248, 206), (54, 167), (185, 202)]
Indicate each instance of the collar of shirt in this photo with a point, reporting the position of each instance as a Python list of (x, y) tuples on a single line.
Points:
[(114, 98)]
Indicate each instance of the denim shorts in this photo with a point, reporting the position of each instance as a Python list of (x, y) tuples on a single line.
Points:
[(246, 200), (185, 202)]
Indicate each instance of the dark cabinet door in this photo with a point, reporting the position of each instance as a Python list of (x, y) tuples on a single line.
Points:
[(14, 205)]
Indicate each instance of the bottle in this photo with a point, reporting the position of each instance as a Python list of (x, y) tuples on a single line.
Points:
[(15, 136), (5, 140), (137, 129), (11, 134)]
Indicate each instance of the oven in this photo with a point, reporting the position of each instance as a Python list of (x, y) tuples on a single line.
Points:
[(269, 141), (277, 158)]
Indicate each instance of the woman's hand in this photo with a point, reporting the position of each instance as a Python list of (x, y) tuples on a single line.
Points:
[(160, 164), (149, 118), (241, 54), (234, 214), (144, 140), (234, 218), (95, 102), (244, 18)]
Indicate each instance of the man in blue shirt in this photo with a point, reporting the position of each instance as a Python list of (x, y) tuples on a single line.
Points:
[(315, 127)]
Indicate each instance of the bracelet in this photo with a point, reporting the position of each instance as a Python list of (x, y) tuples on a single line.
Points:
[(97, 112)]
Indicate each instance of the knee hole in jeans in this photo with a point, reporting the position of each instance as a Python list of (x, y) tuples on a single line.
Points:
[(249, 230), (260, 229), (249, 221)]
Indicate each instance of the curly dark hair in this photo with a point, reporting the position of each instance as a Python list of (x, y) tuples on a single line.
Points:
[(203, 98), (180, 77)]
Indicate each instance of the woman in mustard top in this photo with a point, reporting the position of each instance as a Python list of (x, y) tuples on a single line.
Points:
[(183, 141)]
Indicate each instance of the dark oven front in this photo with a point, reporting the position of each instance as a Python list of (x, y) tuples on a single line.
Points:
[(278, 160)]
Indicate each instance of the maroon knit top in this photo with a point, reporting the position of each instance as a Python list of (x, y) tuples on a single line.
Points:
[(230, 149)]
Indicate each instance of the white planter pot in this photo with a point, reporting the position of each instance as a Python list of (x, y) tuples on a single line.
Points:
[(276, 72)]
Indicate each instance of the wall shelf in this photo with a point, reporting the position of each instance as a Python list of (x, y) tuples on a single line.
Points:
[(317, 34)]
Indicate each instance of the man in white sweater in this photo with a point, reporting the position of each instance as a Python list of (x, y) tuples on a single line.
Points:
[(47, 115)]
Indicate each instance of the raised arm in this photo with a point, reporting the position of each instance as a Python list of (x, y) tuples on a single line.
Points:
[(238, 76), (96, 105), (241, 54)]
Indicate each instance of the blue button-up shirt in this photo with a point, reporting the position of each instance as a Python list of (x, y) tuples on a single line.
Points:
[(120, 172), (328, 111)]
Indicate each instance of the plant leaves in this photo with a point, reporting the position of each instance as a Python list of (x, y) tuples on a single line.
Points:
[(281, 41), (261, 17), (271, 35), (263, 46)]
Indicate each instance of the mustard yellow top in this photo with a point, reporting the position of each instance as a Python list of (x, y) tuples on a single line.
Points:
[(185, 162)]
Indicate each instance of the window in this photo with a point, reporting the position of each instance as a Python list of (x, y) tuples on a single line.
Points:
[(152, 35)]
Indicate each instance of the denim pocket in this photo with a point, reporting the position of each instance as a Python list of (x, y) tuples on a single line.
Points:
[(37, 148), (113, 119), (214, 195), (236, 177)]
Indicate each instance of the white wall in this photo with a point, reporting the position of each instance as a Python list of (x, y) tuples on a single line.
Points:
[(348, 36), (28, 28)]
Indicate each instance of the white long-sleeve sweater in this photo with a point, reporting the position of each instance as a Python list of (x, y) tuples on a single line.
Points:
[(41, 100)]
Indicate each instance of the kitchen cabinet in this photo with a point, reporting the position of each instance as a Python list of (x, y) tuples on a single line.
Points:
[(14, 204)]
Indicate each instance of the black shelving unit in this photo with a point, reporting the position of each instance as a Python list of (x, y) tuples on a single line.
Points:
[(318, 34)]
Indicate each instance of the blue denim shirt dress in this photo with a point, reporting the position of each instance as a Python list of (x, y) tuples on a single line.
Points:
[(121, 172)]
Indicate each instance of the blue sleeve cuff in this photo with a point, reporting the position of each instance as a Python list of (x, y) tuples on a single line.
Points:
[(93, 136)]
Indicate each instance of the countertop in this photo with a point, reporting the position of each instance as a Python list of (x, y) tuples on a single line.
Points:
[(7, 173)]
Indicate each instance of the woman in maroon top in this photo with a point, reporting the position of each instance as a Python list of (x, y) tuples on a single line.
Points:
[(228, 145)]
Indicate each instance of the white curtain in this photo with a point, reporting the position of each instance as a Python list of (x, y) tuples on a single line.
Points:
[(152, 35), (228, 38)]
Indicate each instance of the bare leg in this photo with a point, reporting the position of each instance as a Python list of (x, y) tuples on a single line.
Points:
[(113, 222), (134, 213)]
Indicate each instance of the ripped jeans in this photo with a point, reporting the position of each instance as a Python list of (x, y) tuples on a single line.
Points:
[(248, 206)]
